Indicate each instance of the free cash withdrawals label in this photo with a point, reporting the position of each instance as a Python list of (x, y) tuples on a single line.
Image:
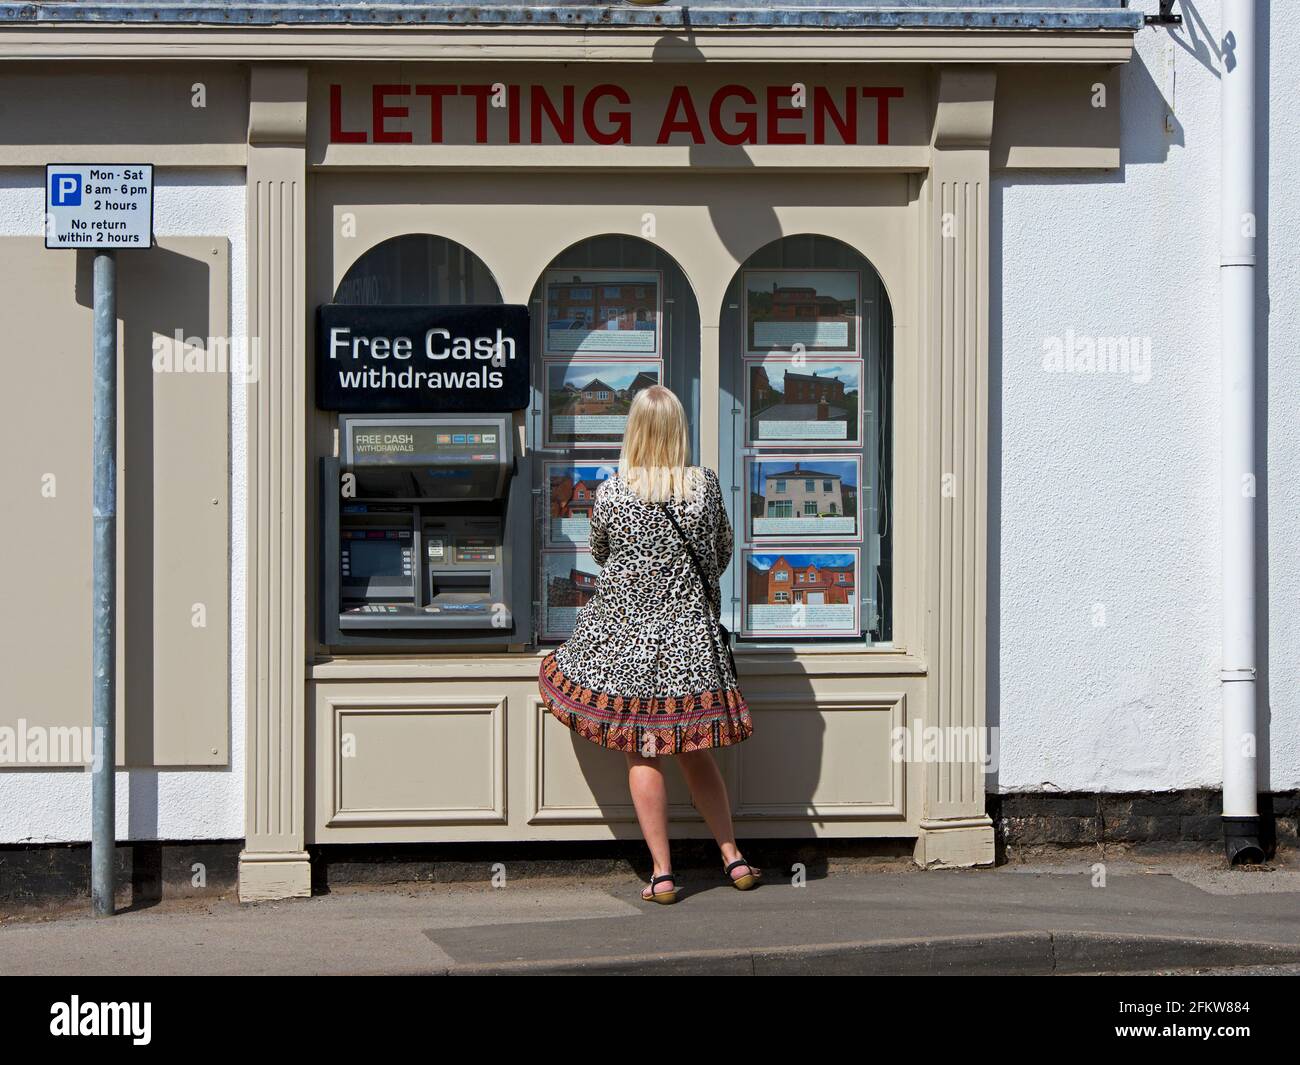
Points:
[(404, 358), (93, 206)]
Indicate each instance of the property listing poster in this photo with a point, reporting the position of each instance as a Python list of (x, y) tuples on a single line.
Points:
[(810, 497), (569, 581), (793, 401), (800, 593), (810, 311), (586, 400), (594, 313), (570, 494)]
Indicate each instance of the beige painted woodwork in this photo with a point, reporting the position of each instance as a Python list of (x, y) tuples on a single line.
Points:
[(173, 525), (414, 752), (274, 863), (1051, 118), (648, 89), (449, 747), (195, 114), (954, 829), (170, 114)]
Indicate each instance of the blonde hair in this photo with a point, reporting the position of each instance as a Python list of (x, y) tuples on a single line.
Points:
[(655, 448)]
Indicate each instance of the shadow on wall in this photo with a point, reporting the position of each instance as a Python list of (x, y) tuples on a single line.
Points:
[(1148, 125), (786, 751), (1197, 40), (742, 224), (142, 275)]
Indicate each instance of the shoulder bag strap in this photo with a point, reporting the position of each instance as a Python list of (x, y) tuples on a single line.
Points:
[(708, 598)]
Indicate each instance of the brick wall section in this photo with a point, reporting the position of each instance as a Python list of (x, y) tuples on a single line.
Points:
[(1156, 821), (34, 875)]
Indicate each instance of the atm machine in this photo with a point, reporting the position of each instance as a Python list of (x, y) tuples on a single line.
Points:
[(426, 533)]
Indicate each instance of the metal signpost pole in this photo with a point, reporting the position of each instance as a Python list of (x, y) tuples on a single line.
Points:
[(100, 207), (103, 830)]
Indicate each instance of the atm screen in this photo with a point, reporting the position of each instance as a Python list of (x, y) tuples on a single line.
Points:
[(375, 558)]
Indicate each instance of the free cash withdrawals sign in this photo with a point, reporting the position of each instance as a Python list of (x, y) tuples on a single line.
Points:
[(471, 357), (92, 206)]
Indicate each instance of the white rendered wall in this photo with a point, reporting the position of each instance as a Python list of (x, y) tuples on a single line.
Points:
[(54, 806), (1104, 584)]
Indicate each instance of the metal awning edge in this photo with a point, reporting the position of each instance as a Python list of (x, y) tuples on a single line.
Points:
[(593, 17)]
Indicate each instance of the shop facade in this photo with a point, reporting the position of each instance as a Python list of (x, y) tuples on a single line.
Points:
[(456, 746), (787, 223)]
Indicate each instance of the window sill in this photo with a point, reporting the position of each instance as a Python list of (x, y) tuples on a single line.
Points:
[(495, 666)]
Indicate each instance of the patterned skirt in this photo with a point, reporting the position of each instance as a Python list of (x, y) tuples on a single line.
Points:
[(673, 724)]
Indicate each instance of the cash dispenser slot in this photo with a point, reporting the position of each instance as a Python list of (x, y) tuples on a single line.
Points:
[(449, 586)]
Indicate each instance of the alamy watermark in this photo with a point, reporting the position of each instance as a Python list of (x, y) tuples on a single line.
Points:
[(74, 1017), (1083, 354), (235, 355), (940, 745), (25, 744)]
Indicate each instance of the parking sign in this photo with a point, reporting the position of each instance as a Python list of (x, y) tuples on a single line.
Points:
[(94, 206)]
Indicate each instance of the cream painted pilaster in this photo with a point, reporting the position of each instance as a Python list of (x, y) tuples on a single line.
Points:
[(954, 829), (709, 383), (274, 863)]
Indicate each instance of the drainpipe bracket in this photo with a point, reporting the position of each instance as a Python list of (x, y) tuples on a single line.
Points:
[(1166, 17)]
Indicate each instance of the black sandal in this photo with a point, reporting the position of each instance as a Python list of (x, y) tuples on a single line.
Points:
[(661, 897), (749, 880)]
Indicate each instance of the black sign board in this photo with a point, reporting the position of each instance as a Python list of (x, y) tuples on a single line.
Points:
[(412, 358)]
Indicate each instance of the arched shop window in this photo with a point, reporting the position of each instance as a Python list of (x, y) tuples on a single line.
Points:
[(417, 268), (806, 421), (611, 315)]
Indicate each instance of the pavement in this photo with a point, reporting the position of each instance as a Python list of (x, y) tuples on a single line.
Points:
[(883, 918)]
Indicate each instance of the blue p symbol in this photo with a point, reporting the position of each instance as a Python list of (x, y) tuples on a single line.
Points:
[(65, 190)]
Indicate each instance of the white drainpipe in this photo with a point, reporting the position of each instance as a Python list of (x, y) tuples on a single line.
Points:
[(1237, 287)]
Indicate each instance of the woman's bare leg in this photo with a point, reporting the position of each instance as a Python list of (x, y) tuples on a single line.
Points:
[(645, 779), (709, 792)]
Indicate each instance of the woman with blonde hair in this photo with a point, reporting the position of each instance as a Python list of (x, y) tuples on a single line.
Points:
[(648, 669)]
